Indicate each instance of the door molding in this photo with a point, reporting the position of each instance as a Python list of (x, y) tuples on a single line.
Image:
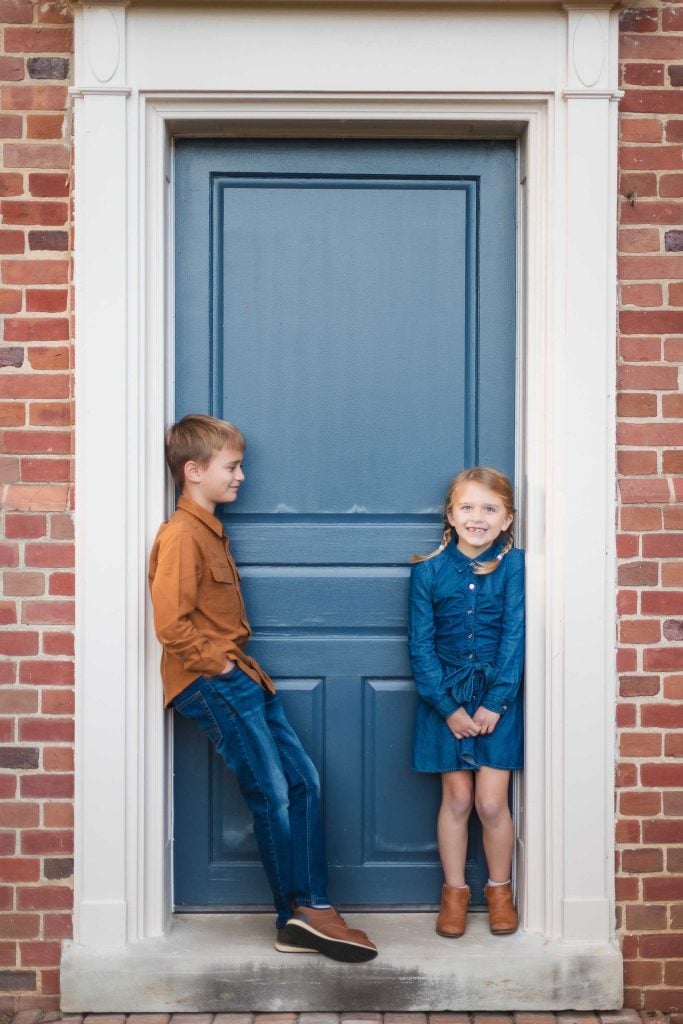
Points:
[(124, 130)]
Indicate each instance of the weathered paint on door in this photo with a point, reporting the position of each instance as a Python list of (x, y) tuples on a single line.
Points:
[(351, 306)]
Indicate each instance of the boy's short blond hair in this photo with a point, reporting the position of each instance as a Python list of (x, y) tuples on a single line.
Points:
[(196, 438)]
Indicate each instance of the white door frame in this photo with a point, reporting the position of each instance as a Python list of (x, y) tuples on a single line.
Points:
[(133, 95)]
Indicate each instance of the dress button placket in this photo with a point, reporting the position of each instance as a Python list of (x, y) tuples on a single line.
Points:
[(470, 611)]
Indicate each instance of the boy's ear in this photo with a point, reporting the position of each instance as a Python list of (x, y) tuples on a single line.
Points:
[(191, 472)]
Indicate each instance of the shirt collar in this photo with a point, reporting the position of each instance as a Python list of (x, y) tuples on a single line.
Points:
[(462, 562), (187, 505)]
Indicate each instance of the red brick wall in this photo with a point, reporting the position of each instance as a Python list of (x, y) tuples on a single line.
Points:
[(650, 541), (36, 550)]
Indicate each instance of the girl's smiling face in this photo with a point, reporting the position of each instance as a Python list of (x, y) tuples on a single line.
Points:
[(478, 516)]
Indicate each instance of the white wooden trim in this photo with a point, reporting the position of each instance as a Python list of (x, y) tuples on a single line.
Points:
[(491, 4), (102, 553), (124, 131)]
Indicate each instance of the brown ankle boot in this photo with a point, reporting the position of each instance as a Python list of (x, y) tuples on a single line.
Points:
[(502, 914), (453, 914)]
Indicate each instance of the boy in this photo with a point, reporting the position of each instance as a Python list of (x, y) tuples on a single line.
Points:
[(200, 619)]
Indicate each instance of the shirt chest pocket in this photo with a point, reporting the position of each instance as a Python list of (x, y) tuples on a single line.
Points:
[(222, 574), (221, 589)]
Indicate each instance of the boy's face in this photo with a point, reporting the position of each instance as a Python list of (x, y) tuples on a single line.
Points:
[(218, 481)]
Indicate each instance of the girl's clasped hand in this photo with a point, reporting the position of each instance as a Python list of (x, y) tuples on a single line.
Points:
[(483, 722)]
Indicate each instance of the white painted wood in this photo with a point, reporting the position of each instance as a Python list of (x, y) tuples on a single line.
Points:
[(534, 891), (104, 44), (589, 641), (589, 48), (536, 73), (416, 4), (283, 49), (102, 466), (101, 41), (156, 367)]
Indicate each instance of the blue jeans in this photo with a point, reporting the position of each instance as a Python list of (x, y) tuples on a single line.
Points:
[(278, 780)]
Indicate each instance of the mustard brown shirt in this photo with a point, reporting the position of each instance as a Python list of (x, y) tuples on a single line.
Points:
[(199, 613)]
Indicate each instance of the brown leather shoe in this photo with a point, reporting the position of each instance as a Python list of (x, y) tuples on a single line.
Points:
[(503, 918), (327, 932), (452, 917), (283, 946)]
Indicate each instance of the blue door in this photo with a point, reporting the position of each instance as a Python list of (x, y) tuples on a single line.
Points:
[(351, 306)]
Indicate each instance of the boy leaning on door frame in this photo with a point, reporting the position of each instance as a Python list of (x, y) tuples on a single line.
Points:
[(201, 621)]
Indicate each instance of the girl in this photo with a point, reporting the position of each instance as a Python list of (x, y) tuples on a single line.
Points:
[(466, 643)]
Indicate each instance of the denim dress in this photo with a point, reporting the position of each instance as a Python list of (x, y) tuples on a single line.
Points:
[(466, 645)]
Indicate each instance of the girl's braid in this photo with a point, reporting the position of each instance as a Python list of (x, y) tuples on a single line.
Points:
[(445, 540), (484, 568)]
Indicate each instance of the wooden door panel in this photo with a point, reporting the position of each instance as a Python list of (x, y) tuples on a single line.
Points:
[(351, 306)]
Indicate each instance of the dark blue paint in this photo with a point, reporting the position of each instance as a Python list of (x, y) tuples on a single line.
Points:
[(351, 305)]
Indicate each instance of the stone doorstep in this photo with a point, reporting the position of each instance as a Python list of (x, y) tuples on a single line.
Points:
[(570, 1017), (226, 962)]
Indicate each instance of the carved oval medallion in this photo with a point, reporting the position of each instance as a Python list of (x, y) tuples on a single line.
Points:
[(104, 45), (589, 49)]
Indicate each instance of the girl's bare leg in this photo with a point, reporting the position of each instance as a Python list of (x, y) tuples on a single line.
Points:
[(456, 806), (491, 801)]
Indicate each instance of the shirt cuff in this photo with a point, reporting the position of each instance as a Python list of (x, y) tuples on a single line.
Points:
[(498, 704), (447, 705)]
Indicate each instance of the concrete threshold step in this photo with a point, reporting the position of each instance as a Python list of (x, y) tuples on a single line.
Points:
[(226, 962)]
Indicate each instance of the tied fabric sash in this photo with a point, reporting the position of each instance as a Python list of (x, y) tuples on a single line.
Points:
[(469, 680)]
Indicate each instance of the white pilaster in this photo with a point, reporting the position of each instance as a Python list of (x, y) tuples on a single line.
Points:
[(587, 528), (103, 746)]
